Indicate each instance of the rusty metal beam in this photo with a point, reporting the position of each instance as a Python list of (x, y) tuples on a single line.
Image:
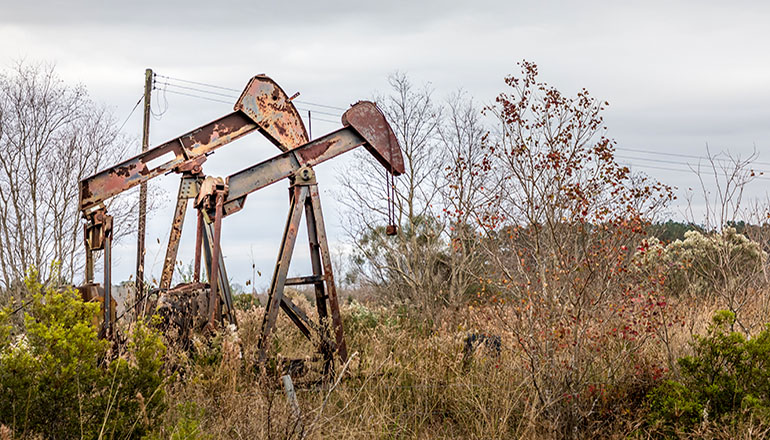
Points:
[(215, 254), (365, 125), (188, 188), (263, 105), (328, 272), (281, 269), (298, 317), (305, 197), (286, 164), (299, 281), (198, 244), (162, 159), (108, 324), (381, 142), (224, 285)]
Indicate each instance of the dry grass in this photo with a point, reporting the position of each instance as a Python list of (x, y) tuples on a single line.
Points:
[(408, 380)]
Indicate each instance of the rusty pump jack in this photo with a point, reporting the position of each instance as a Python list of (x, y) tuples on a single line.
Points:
[(263, 106), (364, 125)]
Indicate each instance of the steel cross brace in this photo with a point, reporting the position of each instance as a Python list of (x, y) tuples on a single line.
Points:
[(304, 197)]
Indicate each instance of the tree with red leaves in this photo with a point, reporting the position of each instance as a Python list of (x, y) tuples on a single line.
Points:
[(561, 222)]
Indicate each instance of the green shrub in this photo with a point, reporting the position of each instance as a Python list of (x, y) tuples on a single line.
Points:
[(245, 301), (55, 381), (725, 381)]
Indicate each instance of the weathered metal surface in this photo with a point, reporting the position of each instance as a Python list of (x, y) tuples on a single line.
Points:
[(319, 288), (224, 285), (96, 229), (186, 190), (331, 289), (93, 292), (286, 164), (363, 119), (269, 106), (198, 244), (305, 197), (370, 122), (297, 316), (219, 193), (210, 198), (263, 105), (89, 255), (108, 315), (281, 269), (183, 311), (164, 158), (299, 281)]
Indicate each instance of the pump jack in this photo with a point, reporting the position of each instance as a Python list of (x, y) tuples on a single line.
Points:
[(215, 198), (364, 125), (263, 106)]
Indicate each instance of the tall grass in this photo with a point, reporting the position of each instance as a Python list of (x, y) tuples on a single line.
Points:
[(409, 380)]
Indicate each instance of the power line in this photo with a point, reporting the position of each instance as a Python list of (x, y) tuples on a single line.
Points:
[(214, 86), (309, 103), (199, 83), (690, 156), (681, 170), (319, 112), (131, 113), (320, 105), (199, 97), (207, 98), (693, 166), (326, 120), (198, 90)]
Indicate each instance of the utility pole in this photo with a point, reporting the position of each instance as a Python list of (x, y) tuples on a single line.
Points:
[(148, 80)]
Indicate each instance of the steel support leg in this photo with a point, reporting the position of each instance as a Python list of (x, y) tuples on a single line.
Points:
[(215, 256), (281, 269), (331, 289), (108, 324), (198, 243), (224, 284), (186, 190), (305, 197)]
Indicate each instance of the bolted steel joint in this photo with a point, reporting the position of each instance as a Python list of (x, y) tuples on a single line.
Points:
[(304, 175)]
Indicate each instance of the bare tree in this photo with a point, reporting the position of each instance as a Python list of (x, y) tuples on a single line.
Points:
[(466, 181), (407, 264), (733, 267), (51, 136), (723, 179)]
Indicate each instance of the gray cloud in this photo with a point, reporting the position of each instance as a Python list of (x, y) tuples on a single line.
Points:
[(678, 75)]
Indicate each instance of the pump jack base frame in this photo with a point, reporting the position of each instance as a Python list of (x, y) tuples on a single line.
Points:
[(304, 196)]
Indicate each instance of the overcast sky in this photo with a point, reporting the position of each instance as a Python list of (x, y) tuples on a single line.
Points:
[(678, 76)]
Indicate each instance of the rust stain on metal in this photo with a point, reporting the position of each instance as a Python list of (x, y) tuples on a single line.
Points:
[(307, 154), (370, 123), (123, 171), (269, 106), (262, 105)]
